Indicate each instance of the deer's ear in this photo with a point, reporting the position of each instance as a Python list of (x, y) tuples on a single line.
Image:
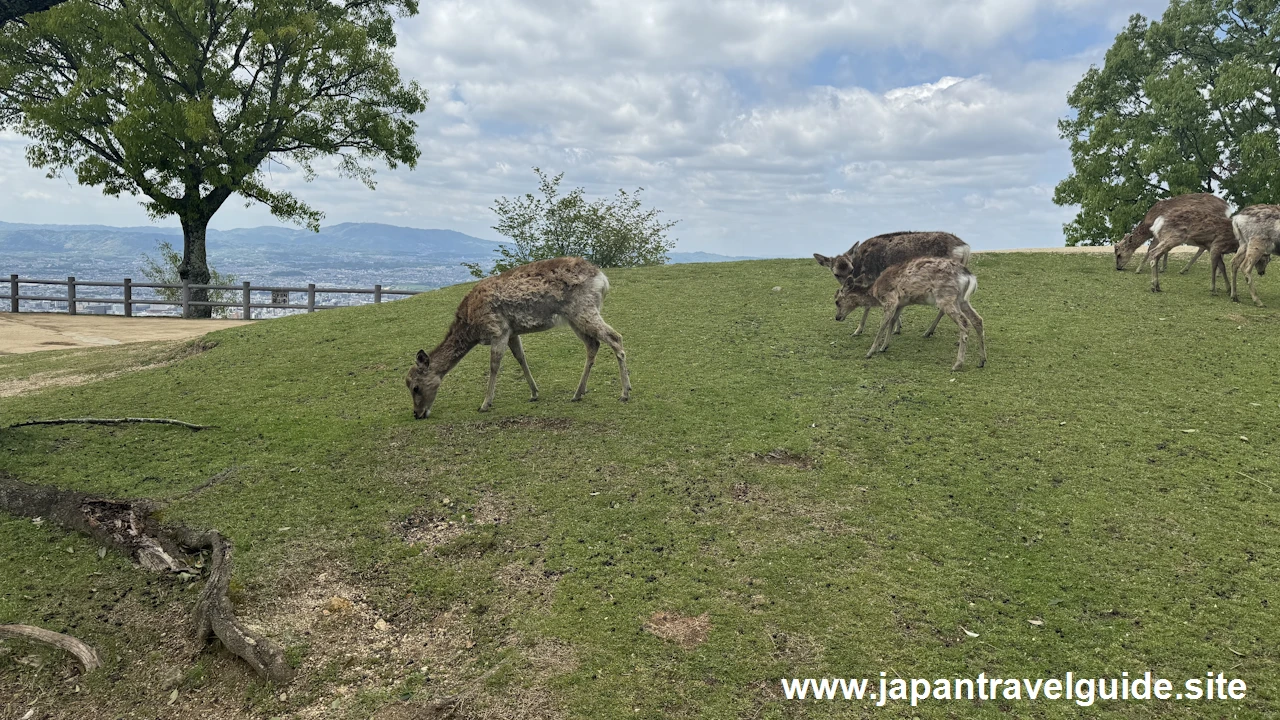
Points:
[(855, 246), (823, 260), (423, 359)]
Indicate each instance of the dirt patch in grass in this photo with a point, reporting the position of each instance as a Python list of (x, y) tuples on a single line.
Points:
[(785, 458), (685, 631), (43, 380), (551, 424), (529, 584), (430, 526), (346, 651), (157, 356)]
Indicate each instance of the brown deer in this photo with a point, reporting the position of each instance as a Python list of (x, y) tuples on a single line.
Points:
[(1257, 229), (1199, 219), (942, 282), (874, 255), (526, 299)]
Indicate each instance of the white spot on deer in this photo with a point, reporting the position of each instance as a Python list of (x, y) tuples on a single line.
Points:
[(1156, 227)]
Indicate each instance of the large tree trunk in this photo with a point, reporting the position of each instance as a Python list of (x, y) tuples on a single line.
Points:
[(195, 265), (14, 9)]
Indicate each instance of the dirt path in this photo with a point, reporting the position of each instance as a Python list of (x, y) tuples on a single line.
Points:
[(32, 332)]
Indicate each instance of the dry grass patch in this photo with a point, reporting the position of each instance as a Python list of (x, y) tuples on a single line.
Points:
[(784, 457), (685, 631)]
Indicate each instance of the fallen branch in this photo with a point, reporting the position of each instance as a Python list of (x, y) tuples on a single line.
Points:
[(85, 654), (111, 421), (132, 528)]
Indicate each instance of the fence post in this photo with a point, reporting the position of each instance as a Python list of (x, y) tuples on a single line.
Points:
[(71, 295), (186, 296), (247, 314), (311, 297), (128, 297), (13, 293), (377, 293)]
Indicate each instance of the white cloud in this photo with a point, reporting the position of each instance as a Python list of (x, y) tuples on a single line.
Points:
[(708, 106)]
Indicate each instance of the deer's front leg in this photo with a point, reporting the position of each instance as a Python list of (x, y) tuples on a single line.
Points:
[(886, 328), (496, 351), (865, 312)]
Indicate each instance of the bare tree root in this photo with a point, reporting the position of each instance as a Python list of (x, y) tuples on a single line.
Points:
[(111, 421), (132, 528), (85, 654)]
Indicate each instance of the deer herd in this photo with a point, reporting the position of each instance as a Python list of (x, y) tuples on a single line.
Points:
[(888, 271)]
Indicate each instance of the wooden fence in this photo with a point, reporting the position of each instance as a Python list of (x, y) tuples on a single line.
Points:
[(245, 289)]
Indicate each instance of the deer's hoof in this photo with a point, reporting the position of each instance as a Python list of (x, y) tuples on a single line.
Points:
[(485, 408), (624, 398), (533, 399), (576, 398)]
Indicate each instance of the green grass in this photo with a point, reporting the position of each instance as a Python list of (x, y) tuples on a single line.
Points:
[(1059, 483)]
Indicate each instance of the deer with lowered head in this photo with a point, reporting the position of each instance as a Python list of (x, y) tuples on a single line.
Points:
[(526, 299), (874, 255), (1257, 229), (942, 282), (1199, 219)]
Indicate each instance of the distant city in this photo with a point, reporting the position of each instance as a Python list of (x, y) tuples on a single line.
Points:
[(350, 255)]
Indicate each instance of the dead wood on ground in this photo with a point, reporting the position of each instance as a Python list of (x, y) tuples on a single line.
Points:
[(132, 528), (87, 656)]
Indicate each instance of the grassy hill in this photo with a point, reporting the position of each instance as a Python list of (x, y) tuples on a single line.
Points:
[(810, 512)]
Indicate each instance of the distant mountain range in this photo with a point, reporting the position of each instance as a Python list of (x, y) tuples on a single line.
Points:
[(357, 251)]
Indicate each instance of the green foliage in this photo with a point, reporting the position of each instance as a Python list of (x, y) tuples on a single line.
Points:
[(609, 233), (186, 102), (1184, 104), (907, 501), (165, 271)]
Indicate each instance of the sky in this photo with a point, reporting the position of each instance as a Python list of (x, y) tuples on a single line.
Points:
[(770, 129)]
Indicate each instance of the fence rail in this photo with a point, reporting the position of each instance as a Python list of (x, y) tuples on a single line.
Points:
[(246, 304)]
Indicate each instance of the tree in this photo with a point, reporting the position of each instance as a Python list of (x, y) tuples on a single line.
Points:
[(165, 272), (1189, 103), (617, 233), (185, 101), (14, 9)]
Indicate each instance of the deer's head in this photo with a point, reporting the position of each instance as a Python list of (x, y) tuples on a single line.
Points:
[(853, 294), (1125, 249), (841, 266), (423, 382)]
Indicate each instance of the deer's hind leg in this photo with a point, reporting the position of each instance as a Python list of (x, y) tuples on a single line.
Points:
[(975, 320), (1215, 263), (934, 326), (1184, 270), (595, 327), (517, 349), (593, 347), (952, 310)]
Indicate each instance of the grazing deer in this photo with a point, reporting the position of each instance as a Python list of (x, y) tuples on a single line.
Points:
[(1257, 229), (1199, 219), (942, 282), (874, 255), (525, 299)]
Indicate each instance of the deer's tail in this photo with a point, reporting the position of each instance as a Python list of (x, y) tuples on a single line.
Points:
[(968, 283)]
